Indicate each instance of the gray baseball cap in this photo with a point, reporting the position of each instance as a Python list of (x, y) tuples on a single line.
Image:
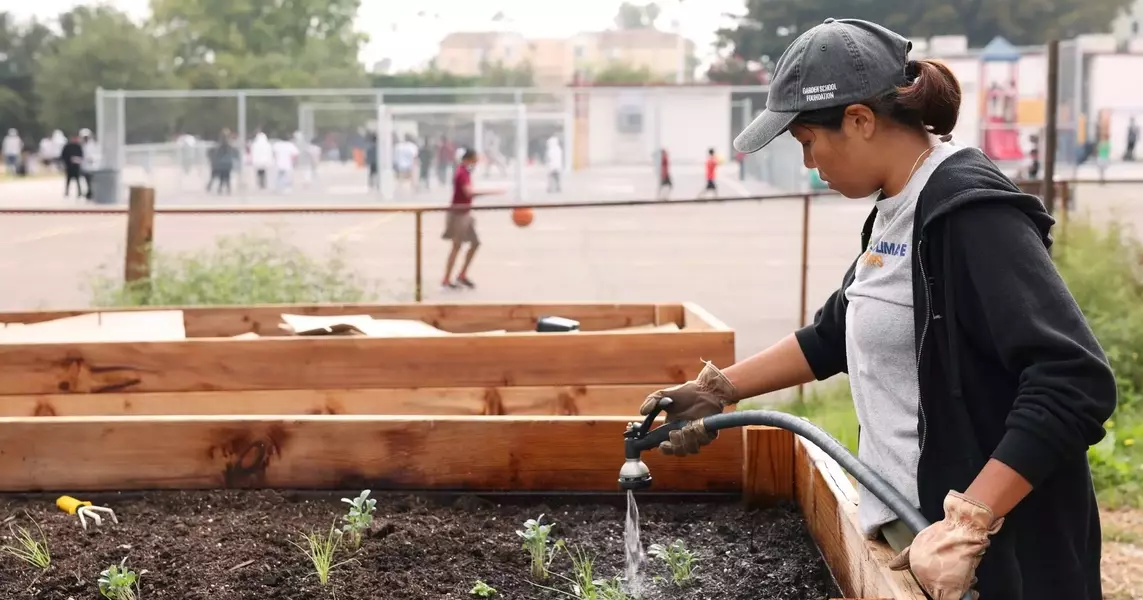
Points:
[(837, 63)]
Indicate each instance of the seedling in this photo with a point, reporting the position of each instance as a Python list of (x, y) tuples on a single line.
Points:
[(118, 582), (536, 544), (482, 590), (359, 518), (321, 550), (29, 549), (679, 560), (583, 583)]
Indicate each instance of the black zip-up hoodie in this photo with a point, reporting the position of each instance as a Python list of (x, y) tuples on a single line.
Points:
[(1008, 369)]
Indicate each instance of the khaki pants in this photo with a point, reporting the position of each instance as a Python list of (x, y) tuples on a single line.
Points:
[(897, 534)]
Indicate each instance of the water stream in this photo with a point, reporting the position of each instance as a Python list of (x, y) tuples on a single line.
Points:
[(632, 548)]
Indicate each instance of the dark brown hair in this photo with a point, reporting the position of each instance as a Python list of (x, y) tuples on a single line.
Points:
[(930, 100)]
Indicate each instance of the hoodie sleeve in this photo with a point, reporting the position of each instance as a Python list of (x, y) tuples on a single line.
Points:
[(1066, 390), (823, 341)]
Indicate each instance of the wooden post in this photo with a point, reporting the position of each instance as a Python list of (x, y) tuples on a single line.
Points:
[(140, 234), (419, 251)]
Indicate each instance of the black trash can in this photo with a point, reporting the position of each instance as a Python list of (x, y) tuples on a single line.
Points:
[(104, 186)]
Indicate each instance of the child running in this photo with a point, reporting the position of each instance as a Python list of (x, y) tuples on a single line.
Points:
[(460, 226)]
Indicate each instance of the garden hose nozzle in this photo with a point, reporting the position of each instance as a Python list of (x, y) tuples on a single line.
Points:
[(85, 510), (634, 474)]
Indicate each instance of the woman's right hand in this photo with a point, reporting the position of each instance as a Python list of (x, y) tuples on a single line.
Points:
[(708, 394)]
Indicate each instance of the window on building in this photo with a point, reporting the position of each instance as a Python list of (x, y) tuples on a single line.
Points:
[(1135, 28), (579, 51)]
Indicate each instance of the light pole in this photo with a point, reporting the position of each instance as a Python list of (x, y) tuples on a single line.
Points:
[(680, 47)]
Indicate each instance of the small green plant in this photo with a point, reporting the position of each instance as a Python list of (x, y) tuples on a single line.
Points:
[(29, 549), (321, 551), (679, 560), (359, 518), (117, 582), (255, 267), (583, 582), (535, 537), (482, 590)]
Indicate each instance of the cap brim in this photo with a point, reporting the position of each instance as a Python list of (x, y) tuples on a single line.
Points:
[(763, 130)]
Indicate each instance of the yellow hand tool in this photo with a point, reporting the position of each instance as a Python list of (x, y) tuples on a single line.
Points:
[(84, 510)]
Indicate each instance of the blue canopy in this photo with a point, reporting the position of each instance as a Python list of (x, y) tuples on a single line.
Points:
[(1000, 50)]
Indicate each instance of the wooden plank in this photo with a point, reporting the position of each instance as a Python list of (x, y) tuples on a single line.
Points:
[(829, 503), (697, 318), (669, 313), (511, 359), (767, 465), (617, 400), (229, 321), (135, 326), (342, 452)]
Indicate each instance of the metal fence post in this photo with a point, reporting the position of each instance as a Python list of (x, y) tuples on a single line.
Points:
[(1051, 128), (418, 242), (805, 267), (242, 140)]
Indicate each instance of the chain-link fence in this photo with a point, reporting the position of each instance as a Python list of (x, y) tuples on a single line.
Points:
[(608, 141)]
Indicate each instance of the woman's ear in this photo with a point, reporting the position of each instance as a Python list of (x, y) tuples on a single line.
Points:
[(862, 120)]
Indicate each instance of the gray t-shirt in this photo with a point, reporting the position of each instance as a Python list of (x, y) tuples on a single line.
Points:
[(881, 350)]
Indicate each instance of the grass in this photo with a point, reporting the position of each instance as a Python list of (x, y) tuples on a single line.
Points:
[(28, 549), (321, 551), (250, 268), (1103, 268)]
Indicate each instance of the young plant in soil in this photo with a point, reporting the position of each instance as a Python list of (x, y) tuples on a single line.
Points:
[(28, 549), (117, 582), (536, 544), (583, 582), (482, 590), (321, 551), (680, 561), (359, 518)]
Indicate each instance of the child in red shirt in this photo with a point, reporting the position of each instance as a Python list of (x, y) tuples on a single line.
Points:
[(460, 226), (711, 168)]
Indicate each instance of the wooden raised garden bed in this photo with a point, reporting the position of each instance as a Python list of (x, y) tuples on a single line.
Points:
[(486, 360), (217, 453), (236, 542)]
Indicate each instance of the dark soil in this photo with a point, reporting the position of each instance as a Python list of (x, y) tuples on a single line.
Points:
[(237, 545)]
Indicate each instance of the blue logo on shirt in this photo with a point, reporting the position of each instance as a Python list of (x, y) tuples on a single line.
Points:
[(890, 249)]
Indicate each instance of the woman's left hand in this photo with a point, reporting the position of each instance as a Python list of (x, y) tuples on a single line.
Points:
[(944, 555)]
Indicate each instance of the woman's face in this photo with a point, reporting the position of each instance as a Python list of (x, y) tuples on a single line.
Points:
[(846, 159)]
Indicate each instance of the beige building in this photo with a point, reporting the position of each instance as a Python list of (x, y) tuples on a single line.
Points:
[(556, 62)]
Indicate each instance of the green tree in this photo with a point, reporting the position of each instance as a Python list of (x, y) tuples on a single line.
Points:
[(20, 47), (769, 26), (634, 16), (621, 73), (227, 44), (100, 47)]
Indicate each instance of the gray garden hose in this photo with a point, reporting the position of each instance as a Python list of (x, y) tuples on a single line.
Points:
[(635, 475)]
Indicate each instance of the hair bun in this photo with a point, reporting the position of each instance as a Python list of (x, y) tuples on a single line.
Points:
[(912, 71)]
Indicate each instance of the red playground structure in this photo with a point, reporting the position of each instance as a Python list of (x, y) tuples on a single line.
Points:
[(1000, 133)]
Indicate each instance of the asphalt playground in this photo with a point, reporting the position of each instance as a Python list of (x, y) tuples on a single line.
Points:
[(739, 260)]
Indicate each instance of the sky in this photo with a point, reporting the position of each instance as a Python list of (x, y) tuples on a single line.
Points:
[(408, 33)]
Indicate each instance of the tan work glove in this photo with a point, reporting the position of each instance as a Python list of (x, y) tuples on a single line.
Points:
[(708, 394), (944, 555)]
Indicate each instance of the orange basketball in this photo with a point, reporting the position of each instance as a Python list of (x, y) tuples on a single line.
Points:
[(522, 216)]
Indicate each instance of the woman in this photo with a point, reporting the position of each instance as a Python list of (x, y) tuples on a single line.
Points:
[(977, 382)]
